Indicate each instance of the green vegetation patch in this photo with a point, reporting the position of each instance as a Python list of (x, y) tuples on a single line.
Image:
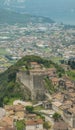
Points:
[(20, 125), (57, 59), (49, 86), (71, 74), (56, 116), (3, 51), (38, 108)]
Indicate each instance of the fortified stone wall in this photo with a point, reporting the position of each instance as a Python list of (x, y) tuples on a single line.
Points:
[(34, 83), (25, 78), (39, 86)]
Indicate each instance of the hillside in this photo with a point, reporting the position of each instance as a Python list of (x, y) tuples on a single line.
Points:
[(9, 88), (10, 17)]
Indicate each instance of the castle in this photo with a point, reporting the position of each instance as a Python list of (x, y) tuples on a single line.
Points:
[(33, 80)]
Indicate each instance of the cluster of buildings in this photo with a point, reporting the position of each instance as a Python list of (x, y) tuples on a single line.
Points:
[(17, 112), (62, 101)]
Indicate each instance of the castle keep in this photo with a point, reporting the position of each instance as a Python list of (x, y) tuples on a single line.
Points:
[(33, 81)]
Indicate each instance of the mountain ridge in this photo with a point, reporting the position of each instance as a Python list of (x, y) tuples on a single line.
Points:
[(12, 17)]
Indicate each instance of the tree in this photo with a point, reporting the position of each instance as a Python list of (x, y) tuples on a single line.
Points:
[(29, 109), (46, 125), (56, 116), (5, 100), (60, 75)]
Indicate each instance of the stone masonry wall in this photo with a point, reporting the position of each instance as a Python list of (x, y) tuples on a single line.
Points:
[(34, 83)]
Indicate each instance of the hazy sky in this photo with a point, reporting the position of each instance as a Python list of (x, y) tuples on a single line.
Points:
[(54, 3), (43, 4), (58, 4), (50, 8)]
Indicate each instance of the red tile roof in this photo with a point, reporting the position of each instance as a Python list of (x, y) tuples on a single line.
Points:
[(34, 122)]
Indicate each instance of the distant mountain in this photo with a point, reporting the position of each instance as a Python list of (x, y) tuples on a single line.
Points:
[(10, 17)]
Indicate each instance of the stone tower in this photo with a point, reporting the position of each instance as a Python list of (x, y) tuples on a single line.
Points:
[(34, 81)]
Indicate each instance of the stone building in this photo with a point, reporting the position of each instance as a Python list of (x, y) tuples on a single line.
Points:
[(61, 125), (34, 125)]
